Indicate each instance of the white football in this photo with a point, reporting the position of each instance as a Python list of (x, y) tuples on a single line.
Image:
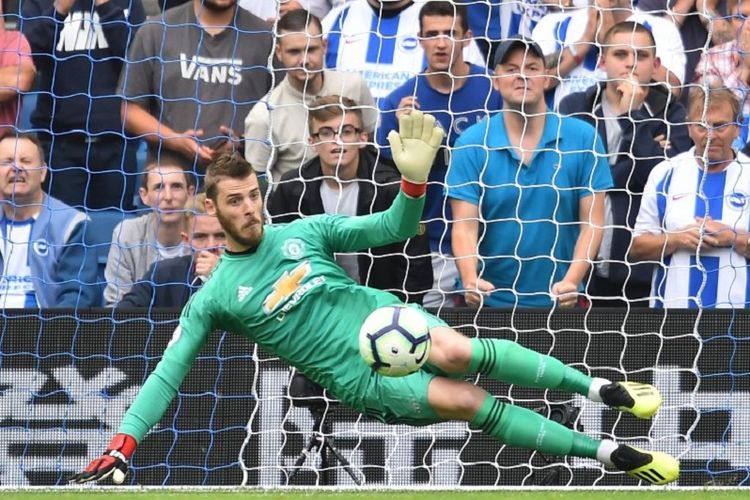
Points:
[(118, 476), (395, 340)]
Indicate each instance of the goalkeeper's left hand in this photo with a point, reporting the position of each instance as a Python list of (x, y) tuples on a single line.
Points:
[(113, 462), (415, 145)]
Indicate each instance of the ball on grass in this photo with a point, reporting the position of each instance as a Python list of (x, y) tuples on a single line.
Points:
[(118, 476)]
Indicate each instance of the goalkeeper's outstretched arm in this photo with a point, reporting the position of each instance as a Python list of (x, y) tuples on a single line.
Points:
[(414, 148), (156, 393)]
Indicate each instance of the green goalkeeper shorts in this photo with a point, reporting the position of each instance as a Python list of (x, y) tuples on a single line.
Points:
[(403, 400)]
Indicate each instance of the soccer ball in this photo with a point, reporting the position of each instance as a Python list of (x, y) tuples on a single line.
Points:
[(395, 341)]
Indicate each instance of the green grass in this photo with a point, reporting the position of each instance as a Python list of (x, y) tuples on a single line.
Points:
[(152, 494)]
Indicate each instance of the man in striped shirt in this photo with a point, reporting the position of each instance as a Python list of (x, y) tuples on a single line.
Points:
[(694, 216), (379, 39)]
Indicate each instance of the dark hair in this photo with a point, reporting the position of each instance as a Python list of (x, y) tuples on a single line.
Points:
[(445, 9), (331, 106), (229, 165), (167, 158), (297, 21), (632, 28), (32, 138)]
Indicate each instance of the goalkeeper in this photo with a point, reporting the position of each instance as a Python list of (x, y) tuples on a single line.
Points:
[(279, 286)]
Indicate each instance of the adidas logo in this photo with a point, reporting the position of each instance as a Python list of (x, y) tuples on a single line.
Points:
[(243, 291)]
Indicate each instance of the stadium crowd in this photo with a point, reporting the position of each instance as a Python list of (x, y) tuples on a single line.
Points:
[(594, 154)]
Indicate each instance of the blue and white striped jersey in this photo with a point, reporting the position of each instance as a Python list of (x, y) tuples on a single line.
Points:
[(556, 30), (679, 190), (520, 17), (386, 51)]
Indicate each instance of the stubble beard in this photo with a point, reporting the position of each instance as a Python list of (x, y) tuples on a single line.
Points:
[(248, 241)]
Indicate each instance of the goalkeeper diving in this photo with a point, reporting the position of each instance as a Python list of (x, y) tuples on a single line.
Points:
[(280, 287)]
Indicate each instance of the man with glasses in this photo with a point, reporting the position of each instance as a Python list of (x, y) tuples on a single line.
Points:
[(694, 215), (728, 64), (347, 178), (276, 127)]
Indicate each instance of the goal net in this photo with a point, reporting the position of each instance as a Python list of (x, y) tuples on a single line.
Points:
[(68, 375)]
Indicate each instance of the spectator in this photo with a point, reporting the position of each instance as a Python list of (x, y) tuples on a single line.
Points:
[(723, 62), (571, 40), (640, 125), (698, 236), (536, 181), (171, 282), (348, 179), (193, 77), (44, 260), (282, 115), (495, 20), (458, 94), (693, 19), (79, 47), (138, 243), (728, 64), (378, 38), (17, 73)]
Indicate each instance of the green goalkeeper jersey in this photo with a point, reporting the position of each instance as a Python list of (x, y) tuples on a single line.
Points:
[(290, 297)]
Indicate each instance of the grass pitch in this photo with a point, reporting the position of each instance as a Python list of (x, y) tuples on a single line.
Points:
[(315, 494)]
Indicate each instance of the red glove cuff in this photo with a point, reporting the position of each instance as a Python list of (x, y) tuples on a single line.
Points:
[(412, 189), (123, 443)]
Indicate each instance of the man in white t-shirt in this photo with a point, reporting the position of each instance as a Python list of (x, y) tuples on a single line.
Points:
[(695, 214), (276, 127), (571, 40), (380, 40), (138, 243)]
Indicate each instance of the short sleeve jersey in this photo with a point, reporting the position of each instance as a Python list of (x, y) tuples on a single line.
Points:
[(679, 190), (385, 50), (530, 212), (189, 79)]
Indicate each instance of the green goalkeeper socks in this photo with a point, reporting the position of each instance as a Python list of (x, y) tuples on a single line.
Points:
[(524, 428), (509, 362)]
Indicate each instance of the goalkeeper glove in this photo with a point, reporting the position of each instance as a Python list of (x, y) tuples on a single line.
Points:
[(114, 462), (415, 145)]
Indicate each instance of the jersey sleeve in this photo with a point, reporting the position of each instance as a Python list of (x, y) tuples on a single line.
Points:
[(649, 220), (468, 158), (352, 234), (135, 80), (596, 174), (160, 388), (258, 150), (367, 103), (388, 122), (543, 35)]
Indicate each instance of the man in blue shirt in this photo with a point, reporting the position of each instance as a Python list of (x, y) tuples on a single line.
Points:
[(536, 181), (458, 94)]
